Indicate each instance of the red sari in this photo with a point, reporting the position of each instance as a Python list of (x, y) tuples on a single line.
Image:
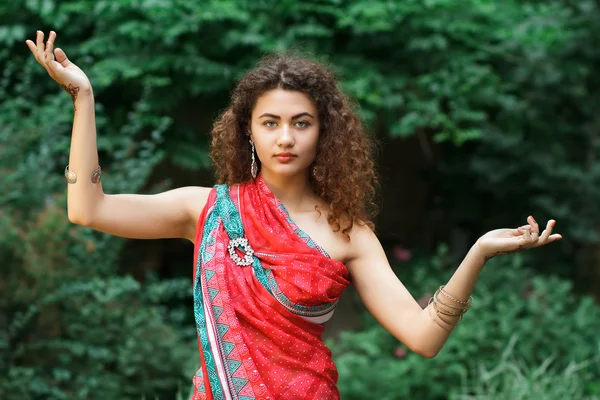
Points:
[(260, 305)]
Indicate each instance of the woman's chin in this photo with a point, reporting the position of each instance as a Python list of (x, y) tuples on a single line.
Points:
[(285, 170)]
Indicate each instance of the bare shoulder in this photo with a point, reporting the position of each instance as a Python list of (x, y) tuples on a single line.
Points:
[(363, 249), (361, 238)]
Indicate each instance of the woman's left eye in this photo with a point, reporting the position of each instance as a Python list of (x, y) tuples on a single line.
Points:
[(302, 124)]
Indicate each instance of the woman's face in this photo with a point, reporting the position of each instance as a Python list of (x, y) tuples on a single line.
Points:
[(285, 132)]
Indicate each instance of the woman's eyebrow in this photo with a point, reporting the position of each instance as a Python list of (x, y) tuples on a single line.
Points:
[(303, 114)]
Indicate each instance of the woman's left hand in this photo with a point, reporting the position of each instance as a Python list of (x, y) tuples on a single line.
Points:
[(504, 241)]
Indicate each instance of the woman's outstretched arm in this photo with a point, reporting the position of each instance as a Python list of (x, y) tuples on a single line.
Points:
[(165, 215), (422, 330)]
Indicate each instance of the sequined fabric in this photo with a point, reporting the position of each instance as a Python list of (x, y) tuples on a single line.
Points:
[(259, 326)]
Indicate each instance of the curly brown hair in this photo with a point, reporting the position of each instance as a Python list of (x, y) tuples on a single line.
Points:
[(343, 173)]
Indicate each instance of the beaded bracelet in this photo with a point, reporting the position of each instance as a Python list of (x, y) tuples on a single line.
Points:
[(448, 295)]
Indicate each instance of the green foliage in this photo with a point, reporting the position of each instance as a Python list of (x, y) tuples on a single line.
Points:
[(71, 327), (507, 90), (518, 318), (103, 338)]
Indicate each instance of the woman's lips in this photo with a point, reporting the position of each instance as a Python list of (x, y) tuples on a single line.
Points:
[(285, 158)]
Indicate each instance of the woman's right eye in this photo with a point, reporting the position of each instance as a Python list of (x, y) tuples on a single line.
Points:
[(268, 124)]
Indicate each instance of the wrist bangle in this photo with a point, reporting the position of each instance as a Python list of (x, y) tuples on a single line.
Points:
[(436, 297), (433, 318), (71, 176)]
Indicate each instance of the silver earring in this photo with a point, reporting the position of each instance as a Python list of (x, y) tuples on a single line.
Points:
[(253, 167)]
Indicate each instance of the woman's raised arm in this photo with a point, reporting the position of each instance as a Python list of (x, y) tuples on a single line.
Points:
[(170, 214)]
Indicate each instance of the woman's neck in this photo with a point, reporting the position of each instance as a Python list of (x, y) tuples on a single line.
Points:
[(294, 192)]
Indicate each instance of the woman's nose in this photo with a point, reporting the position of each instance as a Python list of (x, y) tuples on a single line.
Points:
[(285, 138)]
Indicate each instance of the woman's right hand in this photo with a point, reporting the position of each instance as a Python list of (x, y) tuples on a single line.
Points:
[(63, 71)]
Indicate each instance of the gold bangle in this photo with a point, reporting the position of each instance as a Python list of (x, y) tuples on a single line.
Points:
[(438, 306), (437, 323), (439, 315), (449, 309), (440, 312), (443, 311), (436, 296), (448, 295), (72, 176), (436, 301)]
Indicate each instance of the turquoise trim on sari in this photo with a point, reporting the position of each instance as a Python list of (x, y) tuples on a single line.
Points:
[(208, 238), (301, 234)]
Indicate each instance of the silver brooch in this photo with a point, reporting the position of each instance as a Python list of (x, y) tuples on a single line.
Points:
[(243, 245)]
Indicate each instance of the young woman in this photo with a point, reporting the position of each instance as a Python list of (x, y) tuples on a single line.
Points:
[(282, 235)]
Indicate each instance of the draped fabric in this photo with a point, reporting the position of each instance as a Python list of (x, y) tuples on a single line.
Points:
[(259, 308)]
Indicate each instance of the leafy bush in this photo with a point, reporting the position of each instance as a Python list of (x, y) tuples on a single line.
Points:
[(494, 82), (507, 88), (98, 338), (539, 318)]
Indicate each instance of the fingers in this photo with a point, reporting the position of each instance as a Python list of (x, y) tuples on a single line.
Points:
[(547, 234), (39, 41), (552, 238), (38, 49), (527, 236), (535, 228), (32, 47), (61, 57), (44, 54), (49, 51), (531, 233)]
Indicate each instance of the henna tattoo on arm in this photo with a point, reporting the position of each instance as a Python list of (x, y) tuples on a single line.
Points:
[(73, 91)]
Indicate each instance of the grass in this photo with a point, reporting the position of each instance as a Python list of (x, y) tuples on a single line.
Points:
[(513, 379)]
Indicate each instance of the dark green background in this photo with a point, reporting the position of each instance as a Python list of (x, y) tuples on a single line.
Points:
[(484, 111)]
